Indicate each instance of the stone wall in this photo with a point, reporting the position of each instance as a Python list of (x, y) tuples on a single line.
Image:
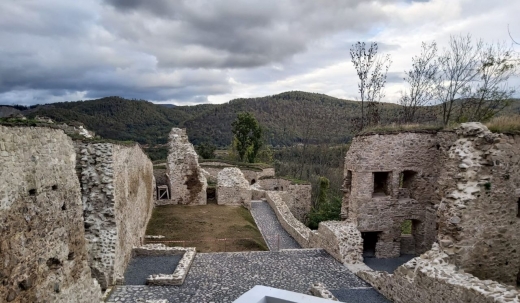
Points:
[(341, 240), (252, 176), (233, 188), (389, 179), (295, 228), (296, 196), (42, 245), (431, 278), (187, 181), (118, 193), (478, 213)]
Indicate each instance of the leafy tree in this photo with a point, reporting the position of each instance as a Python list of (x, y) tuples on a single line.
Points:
[(248, 136), (371, 70), (206, 150), (326, 209)]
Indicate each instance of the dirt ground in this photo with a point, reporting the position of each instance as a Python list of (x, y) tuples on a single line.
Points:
[(201, 226)]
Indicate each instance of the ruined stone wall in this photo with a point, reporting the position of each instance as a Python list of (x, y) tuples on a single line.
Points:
[(295, 228), (340, 239), (296, 196), (478, 213), (233, 188), (117, 188), (134, 201), (252, 176), (187, 181), (384, 209), (42, 244), (431, 278)]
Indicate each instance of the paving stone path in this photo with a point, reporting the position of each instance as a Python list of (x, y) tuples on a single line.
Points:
[(274, 234), (223, 277)]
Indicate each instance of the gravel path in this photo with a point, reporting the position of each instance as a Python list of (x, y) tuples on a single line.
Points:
[(389, 265), (140, 268), (271, 228), (359, 295), (223, 277)]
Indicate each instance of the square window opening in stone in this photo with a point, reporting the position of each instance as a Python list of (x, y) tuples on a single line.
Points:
[(381, 184), (369, 243), (406, 227), (406, 178)]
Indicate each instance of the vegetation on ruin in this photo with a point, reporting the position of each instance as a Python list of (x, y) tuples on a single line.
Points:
[(327, 207), (505, 124), (201, 226)]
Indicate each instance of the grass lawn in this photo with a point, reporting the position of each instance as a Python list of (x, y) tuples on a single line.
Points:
[(201, 225)]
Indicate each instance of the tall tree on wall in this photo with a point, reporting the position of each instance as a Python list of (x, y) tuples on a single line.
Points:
[(371, 70), (420, 79), (247, 136)]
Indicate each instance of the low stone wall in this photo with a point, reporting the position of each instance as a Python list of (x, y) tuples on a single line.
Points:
[(431, 278), (252, 176), (295, 228), (296, 196), (182, 269), (320, 290), (43, 255), (340, 239), (117, 188)]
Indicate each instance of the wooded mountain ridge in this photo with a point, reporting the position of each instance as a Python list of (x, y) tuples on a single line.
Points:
[(288, 118)]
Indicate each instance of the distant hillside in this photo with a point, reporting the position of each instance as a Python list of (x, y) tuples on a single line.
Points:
[(288, 118)]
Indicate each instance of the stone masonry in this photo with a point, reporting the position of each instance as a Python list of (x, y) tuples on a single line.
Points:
[(42, 245), (233, 188), (251, 175), (389, 179), (118, 193), (187, 181), (296, 196), (479, 203), (472, 188)]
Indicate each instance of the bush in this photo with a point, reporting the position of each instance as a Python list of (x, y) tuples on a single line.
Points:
[(327, 208)]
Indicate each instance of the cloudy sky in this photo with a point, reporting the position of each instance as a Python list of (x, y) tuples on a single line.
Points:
[(212, 51)]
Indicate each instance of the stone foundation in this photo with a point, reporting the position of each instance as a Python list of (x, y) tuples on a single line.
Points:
[(42, 245), (182, 269)]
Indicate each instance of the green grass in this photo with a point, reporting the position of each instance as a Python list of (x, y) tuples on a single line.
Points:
[(399, 128)]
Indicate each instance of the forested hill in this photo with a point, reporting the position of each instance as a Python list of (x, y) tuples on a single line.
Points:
[(287, 118)]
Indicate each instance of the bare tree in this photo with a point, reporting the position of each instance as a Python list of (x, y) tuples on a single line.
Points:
[(491, 93), (421, 81), (371, 70), (458, 67), (510, 36)]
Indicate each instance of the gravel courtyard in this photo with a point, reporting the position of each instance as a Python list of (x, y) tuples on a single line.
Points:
[(223, 277)]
